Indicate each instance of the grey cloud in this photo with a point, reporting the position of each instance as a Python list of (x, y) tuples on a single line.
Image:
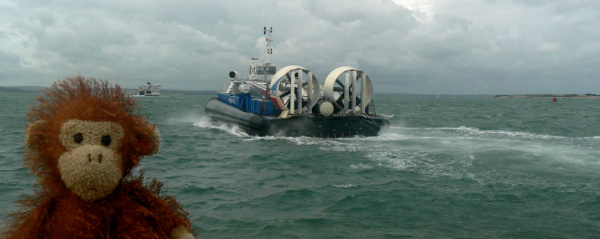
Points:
[(463, 47)]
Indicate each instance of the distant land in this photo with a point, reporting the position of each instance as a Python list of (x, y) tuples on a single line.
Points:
[(37, 89), (538, 96), (188, 92), (407, 95), (176, 92), (21, 89)]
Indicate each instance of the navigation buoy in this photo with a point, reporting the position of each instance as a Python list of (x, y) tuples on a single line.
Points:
[(554, 99)]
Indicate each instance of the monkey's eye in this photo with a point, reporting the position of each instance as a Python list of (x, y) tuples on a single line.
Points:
[(78, 138), (106, 140)]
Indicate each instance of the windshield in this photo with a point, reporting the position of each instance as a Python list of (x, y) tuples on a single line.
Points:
[(266, 70)]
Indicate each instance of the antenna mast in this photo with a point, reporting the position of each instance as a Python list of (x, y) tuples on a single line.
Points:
[(268, 39)]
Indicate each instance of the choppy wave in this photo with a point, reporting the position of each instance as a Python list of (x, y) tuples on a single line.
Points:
[(185, 118), (467, 131), (232, 129), (528, 168), (464, 130), (485, 156), (422, 144), (345, 185), (459, 152)]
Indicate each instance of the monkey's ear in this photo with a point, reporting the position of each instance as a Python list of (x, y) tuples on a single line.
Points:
[(35, 135), (150, 144)]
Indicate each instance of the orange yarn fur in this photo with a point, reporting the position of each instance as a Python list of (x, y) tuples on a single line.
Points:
[(132, 210)]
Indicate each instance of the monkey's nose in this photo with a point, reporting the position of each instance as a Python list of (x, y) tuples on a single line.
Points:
[(99, 158)]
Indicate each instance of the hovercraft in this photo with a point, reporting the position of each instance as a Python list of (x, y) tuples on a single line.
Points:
[(291, 101)]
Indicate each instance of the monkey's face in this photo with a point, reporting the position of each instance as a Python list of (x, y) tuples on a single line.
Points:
[(91, 166)]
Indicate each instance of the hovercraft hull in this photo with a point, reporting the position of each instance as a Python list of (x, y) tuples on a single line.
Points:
[(299, 125)]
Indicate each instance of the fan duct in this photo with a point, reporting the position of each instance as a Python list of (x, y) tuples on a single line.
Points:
[(350, 90), (294, 89)]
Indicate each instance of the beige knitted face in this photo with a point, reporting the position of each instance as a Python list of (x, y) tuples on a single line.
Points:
[(91, 167)]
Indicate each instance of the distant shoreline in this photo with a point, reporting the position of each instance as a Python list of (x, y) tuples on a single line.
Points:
[(542, 96), (21, 89), (37, 89)]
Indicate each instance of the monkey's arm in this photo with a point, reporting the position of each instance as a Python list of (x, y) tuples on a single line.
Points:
[(181, 232), (32, 223), (151, 211)]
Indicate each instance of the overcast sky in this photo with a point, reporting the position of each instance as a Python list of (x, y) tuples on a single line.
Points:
[(405, 46)]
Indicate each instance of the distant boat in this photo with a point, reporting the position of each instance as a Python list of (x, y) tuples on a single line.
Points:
[(148, 89), (554, 99)]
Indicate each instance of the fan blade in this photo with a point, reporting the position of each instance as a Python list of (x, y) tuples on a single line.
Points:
[(285, 99), (284, 88), (341, 97), (340, 102)]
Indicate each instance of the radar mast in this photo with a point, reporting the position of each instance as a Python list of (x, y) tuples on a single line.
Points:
[(268, 49)]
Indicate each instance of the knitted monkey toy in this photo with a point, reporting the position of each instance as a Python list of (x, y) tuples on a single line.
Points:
[(84, 137)]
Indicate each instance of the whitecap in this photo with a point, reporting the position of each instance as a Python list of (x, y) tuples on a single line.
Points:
[(191, 117), (345, 185), (232, 129), (361, 166)]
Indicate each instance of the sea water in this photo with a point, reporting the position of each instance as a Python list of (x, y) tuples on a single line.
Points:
[(460, 167)]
